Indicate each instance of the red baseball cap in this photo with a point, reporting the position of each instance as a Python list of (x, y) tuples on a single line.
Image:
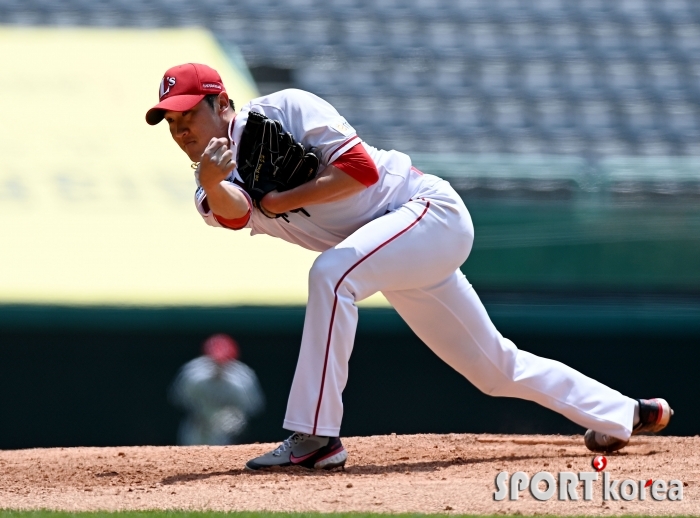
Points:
[(221, 348), (182, 87)]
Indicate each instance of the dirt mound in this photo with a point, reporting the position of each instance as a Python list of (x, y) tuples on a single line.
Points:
[(412, 473)]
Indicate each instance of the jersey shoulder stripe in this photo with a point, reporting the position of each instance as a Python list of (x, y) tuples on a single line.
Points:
[(343, 147)]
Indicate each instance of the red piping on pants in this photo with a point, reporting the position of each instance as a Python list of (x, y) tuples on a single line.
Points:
[(335, 304)]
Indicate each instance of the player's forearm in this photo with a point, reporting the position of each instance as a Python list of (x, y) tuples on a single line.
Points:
[(332, 185), (226, 200)]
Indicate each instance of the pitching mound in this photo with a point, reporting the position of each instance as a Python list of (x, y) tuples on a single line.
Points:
[(416, 473)]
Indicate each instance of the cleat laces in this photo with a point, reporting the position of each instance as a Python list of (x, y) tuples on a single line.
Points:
[(289, 443)]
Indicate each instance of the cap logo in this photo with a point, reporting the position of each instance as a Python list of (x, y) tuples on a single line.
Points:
[(211, 85), (165, 85)]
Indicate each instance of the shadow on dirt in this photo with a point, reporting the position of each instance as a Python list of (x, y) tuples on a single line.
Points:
[(365, 469)]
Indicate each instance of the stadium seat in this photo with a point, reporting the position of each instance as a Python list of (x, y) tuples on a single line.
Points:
[(539, 79), (623, 79), (597, 119), (496, 79), (445, 39), (466, 115), (681, 117), (581, 79)]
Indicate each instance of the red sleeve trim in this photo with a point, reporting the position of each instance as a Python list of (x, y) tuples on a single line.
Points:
[(356, 163), (233, 224), (340, 146)]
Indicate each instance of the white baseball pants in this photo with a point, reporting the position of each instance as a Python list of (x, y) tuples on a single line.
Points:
[(412, 255)]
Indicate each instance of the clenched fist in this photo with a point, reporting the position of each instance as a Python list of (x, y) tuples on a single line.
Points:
[(216, 164)]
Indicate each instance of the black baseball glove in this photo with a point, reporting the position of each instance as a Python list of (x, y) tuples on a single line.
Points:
[(270, 159)]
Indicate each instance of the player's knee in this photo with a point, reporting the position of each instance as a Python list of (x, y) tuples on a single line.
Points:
[(497, 380), (330, 267)]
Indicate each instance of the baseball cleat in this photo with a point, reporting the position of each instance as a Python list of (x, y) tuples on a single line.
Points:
[(654, 416), (301, 449)]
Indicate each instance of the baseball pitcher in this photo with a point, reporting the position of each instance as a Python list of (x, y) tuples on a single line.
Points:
[(290, 166)]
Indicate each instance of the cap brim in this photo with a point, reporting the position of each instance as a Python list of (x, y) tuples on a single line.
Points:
[(176, 103)]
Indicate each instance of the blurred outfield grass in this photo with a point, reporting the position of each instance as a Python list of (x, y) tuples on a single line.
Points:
[(96, 207)]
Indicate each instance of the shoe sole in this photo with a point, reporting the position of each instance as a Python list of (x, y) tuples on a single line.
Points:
[(591, 444), (335, 459), (662, 421)]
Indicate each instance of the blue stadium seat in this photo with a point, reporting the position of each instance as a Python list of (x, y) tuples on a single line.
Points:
[(471, 11), (28, 14), (639, 117), (672, 12), (362, 79), (344, 10), (313, 33), (653, 143), (592, 12), (407, 81), (420, 112), (495, 79), (631, 12), (567, 40), (551, 12), (445, 39), (538, 79), (362, 36), (597, 119), (321, 81), (485, 41), (451, 79), (647, 38), (527, 41), (483, 141), (392, 10), (686, 40), (680, 120), (179, 13), (510, 115), (524, 141), (553, 115), (403, 36), (623, 79), (432, 10), (466, 115), (580, 79), (379, 111), (607, 40), (665, 80), (609, 145), (565, 142)]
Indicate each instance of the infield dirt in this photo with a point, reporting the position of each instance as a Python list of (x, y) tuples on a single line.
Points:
[(452, 474)]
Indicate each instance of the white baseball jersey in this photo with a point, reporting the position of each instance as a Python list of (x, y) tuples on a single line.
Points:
[(406, 235), (316, 124)]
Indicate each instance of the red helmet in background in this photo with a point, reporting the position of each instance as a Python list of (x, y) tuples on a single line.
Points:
[(221, 348)]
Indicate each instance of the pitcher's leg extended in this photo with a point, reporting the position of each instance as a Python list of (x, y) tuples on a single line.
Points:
[(414, 246), (451, 320)]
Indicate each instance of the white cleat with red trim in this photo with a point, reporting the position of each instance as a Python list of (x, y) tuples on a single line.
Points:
[(301, 449)]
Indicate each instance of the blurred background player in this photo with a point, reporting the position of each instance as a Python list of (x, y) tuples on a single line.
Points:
[(218, 392)]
